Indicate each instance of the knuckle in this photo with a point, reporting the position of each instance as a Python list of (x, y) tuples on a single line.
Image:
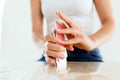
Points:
[(53, 39), (48, 37), (57, 55), (75, 31), (60, 49), (72, 29)]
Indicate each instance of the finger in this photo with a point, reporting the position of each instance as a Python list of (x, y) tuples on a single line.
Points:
[(69, 47), (61, 24), (55, 54), (51, 60), (65, 18), (69, 36), (51, 38), (65, 26), (55, 47), (66, 31), (71, 41)]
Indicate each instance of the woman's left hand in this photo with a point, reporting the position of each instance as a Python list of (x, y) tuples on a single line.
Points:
[(75, 34)]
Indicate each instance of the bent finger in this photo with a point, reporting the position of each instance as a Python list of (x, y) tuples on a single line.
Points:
[(51, 60), (71, 41), (65, 19), (69, 47), (51, 38), (55, 54), (55, 47)]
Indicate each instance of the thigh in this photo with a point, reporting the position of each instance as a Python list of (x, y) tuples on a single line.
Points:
[(82, 55)]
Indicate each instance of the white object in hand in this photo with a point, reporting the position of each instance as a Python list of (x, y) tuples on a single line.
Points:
[(61, 63)]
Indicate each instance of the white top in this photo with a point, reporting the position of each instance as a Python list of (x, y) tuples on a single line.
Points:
[(81, 11)]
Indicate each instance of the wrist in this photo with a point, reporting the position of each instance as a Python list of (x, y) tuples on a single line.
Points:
[(90, 43), (39, 43), (38, 37), (87, 45), (93, 44)]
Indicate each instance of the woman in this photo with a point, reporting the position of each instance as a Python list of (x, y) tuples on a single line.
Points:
[(82, 44)]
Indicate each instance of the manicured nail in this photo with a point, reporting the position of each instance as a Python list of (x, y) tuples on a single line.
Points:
[(57, 11), (51, 61)]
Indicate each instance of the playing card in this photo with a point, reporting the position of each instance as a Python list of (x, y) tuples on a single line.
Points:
[(61, 63)]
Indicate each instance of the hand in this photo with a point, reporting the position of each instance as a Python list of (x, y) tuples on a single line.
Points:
[(55, 50), (75, 34)]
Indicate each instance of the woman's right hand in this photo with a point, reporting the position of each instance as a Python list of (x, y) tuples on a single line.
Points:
[(54, 50)]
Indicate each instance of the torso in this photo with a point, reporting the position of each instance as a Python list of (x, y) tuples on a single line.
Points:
[(81, 11)]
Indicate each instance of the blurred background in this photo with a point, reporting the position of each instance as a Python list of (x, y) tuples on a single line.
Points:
[(16, 37)]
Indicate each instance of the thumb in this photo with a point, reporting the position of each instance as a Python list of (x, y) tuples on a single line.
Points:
[(69, 47)]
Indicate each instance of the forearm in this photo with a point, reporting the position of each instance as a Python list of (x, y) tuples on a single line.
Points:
[(37, 29), (100, 37), (105, 13), (37, 19), (104, 34), (104, 10)]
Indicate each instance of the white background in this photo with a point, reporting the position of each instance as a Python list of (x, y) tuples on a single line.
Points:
[(2, 2), (15, 24)]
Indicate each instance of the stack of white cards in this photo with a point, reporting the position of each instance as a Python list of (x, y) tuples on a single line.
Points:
[(61, 63)]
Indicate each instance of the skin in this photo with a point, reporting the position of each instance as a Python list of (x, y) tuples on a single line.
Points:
[(75, 34), (37, 19)]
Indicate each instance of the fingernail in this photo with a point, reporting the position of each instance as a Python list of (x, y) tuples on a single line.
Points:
[(57, 12), (52, 61)]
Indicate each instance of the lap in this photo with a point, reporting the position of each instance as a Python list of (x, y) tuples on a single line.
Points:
[(82, 55)]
